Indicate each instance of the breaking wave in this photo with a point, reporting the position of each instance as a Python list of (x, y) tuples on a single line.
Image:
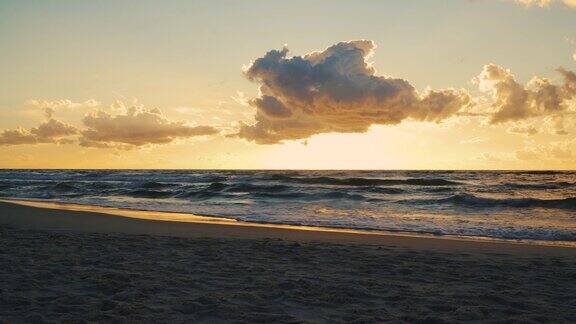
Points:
[(470, 200), (365, 181)]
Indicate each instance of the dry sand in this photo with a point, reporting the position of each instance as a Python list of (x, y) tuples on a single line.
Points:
[(78, 266)]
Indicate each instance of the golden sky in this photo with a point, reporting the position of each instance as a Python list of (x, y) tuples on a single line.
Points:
[(288, 85)]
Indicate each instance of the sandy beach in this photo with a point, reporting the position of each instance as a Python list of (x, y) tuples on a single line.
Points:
[(59, 264), (288, 161)]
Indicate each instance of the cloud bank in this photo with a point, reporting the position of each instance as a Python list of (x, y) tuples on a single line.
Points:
[(136, 127), (335, 90), (130, 128), (50, 131)]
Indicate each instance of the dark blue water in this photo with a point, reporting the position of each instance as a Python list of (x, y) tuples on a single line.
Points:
[(513, 205)]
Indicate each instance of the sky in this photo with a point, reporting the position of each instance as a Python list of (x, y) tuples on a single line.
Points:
[(446, 84)]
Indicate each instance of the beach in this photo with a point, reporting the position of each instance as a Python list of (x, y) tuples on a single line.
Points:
[(59, 264)]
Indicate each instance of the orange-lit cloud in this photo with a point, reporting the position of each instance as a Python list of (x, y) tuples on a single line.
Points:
[(559, 124), (51, 106), (136, 127), (474, 140), (126, 129), (513, 101), (335, 90), (546, 3), (523, 129), (50, 131), (552, 151), (539, 3)]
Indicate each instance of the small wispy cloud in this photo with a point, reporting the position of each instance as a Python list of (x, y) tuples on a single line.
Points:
[(546, 3), (241, 98), (51, 106), (474, 140), (527, 130)]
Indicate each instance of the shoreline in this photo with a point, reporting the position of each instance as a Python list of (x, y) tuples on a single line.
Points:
[(65, 217), (59, 265)]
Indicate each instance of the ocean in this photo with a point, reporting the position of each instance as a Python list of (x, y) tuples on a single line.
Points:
[(491, 204)]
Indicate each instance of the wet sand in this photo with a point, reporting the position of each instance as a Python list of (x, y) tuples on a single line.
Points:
[(80, 266)]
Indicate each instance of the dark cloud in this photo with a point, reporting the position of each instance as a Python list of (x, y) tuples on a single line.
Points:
[(50, 131), (136, 127), (335, 90)]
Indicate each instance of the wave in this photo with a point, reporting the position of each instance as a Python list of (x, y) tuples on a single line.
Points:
[(540, 172), (546, 185), (469, 200), (365, 181), (246, 187), (198, 194), (156, 185), (93, 174), (288, 195), (64, 187), (223, 190), (276, 192), (342, 195), (216, 186), (149, 194), (388, 191)]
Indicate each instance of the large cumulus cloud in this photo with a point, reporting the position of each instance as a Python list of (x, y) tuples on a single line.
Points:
[(50, 131), (335, 90), (136, 127), (513, 101)]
